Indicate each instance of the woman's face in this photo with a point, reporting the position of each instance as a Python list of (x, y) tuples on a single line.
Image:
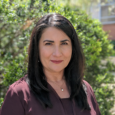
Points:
[(55, 49)]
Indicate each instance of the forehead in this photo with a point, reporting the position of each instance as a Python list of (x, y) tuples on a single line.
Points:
[(53, 33)]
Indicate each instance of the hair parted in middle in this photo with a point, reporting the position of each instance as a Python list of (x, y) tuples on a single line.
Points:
[(73, 72)]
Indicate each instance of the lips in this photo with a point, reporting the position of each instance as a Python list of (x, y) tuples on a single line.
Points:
[(56, 61)]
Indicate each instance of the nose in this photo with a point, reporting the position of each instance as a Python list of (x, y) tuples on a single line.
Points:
[(57, 51)]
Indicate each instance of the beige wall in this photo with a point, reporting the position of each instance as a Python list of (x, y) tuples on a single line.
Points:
[(110, 28)]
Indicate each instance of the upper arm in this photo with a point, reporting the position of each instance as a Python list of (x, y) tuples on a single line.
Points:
[(92, 98), (12, 104)]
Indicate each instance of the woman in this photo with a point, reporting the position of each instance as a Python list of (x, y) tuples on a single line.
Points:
[(54, 83)]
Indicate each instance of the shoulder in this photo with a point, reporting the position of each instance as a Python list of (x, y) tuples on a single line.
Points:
[(88, 89), (19, 83), (86, 83), (88, 86), (20, 88), (16, 98)]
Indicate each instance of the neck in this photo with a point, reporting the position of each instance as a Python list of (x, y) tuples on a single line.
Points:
[(54, 77)]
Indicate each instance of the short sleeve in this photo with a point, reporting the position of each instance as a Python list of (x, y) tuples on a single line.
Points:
[(12, 104)]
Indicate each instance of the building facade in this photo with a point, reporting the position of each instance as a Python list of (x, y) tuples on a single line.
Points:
[(105, 12)]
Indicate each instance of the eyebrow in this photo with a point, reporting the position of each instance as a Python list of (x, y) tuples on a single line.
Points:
[(53, 41), (48, 41), (64, 40)]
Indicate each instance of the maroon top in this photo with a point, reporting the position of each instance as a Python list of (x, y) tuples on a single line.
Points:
[(20, 101), (67, 105)]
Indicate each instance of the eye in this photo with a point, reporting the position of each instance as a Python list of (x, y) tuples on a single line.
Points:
[(64, 43), (48, 43)]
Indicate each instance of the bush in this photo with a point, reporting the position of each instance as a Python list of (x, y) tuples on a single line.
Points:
[(94, 40), (113, 42)]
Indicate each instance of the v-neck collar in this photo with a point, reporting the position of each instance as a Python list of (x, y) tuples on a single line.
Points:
[(57, 96), (50, 87)]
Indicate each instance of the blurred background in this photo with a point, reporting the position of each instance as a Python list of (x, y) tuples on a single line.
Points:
[(94, 22)]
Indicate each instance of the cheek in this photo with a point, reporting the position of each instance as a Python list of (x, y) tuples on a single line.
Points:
[(44, 53), (67, 52)]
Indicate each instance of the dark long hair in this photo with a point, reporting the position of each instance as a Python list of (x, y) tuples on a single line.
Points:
[(73, 72)]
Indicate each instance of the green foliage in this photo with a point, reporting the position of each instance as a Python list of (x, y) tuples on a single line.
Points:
[(17, 21), (113, 42), (15, 69), (1, 101)]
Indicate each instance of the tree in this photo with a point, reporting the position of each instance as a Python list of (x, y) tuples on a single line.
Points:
[(84, 4)]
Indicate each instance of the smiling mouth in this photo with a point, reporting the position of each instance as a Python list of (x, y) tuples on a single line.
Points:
[(56, 61)]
